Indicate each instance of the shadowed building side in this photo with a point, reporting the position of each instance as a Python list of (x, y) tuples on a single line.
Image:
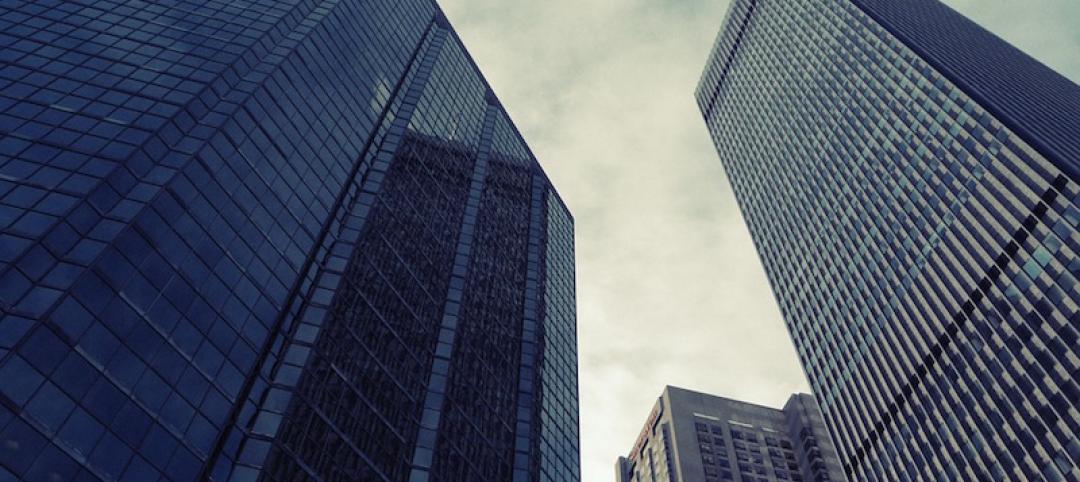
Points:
[(273, 240)]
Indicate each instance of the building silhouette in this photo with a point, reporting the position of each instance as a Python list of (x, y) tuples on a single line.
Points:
[(696, 437), (273, 241), (910, 183)]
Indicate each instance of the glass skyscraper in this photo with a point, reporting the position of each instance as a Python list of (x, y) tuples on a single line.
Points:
[(910, 183), (273, 240)]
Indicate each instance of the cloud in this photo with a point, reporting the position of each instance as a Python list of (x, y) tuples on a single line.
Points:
[(670, 289)]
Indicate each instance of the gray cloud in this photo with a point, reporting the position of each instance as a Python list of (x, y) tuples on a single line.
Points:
[(670, 289)]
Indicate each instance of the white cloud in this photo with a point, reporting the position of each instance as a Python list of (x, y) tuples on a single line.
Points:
[(670, 289)]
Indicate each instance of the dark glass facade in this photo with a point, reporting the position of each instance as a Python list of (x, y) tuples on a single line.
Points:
[(910, 184), (273, 240), (697, 437)]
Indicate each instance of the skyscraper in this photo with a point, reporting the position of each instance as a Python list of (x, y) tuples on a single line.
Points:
[(696, 437), (273, 240), (910, 183)]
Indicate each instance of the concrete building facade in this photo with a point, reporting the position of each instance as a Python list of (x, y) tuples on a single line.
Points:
[(696, 437)]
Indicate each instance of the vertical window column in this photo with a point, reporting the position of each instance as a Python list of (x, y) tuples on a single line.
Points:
[(435, 397), (526, 393), (672, 472)]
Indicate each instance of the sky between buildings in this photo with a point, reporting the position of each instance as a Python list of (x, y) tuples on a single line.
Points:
[(670, 289)]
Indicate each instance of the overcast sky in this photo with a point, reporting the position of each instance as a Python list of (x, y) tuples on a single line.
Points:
[(670, 289)]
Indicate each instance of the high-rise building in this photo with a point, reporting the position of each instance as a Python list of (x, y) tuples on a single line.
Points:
[(696, 437), (910, 183), (273, 240)]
